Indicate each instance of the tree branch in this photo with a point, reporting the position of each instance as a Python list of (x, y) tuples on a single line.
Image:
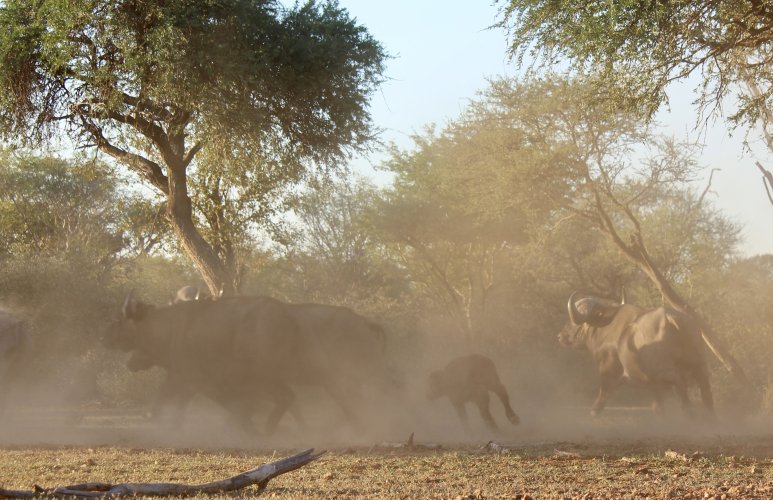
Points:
[(150, 170), (767, 181), (260, 475)]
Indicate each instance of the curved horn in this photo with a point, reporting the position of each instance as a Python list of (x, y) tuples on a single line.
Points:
[(128, 305), (574, 314), (622, 295)]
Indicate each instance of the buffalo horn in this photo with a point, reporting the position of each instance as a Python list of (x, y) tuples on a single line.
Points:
[(198, 294), (574, 314), (128, 305), (622, 295)]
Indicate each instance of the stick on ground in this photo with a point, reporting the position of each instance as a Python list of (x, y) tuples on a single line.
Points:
[(260, 475)]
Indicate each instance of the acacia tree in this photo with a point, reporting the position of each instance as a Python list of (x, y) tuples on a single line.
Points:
[(454, 216), (331, 252), (610, 181), (152, 84), (637, 48)]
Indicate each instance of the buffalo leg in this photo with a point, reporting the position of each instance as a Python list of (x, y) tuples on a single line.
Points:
[(680, 386), (501, 393), (608, 384), (658, 393), (298, 415), (461, 411), (340, 398), (283, 398), (3, 396), (482, 402), (173, 395), (705, 387)]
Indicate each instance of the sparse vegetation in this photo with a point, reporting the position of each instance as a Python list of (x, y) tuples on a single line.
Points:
[(237, 117), (468, 473)]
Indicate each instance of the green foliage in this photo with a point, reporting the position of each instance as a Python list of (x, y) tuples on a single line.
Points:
[(637, 48), (234, 72), (72, 243), (333, 253), (51, 207), (262, 91), (495, 220)]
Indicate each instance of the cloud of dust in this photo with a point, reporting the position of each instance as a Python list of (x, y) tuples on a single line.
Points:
[(551, 396)]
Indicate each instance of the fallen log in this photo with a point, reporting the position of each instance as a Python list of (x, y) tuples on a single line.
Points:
[(260, 475)]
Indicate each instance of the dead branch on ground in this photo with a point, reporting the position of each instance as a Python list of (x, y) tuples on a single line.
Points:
[(260, 475)]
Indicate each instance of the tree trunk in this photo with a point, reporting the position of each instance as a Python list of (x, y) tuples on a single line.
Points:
[(676, 301), (180, 213)]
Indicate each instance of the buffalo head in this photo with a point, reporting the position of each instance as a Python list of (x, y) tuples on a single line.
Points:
[(585, 314), (121, 334), (435, 387)]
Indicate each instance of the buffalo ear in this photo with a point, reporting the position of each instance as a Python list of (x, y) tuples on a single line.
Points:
[(129, 308), (134, 309)]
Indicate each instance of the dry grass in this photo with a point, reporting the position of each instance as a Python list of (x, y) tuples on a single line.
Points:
[(593, 464), (466, 472)]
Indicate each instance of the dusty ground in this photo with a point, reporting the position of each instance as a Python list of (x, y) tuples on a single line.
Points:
[(608, 458)]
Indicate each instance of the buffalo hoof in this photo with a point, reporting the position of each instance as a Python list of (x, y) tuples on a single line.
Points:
[(514, 419)]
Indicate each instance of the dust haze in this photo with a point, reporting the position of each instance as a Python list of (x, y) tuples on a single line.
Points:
[(92, 399)]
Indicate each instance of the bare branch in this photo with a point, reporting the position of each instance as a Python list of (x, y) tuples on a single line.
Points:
[(767, 181), (260, 475), (145, 167), (188, 157), (708, 187)]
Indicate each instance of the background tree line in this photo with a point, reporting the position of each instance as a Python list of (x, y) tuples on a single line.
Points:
[(223, 129), (486, 228)]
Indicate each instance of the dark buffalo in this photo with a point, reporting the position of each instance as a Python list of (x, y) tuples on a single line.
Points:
[(13, 340), (469, 379), (658, 348), (319, 352), (347, 344), (249, 347)]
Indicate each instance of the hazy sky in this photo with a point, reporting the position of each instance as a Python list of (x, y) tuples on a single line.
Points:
[(442, 55)]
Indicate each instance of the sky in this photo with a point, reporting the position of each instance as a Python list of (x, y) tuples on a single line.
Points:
[(443, 54)]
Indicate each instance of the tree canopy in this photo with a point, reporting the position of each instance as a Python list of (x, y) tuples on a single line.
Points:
[(640, 47), (152, 83)]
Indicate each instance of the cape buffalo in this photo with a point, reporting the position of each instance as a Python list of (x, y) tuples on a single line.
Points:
[(657, 348), (251, 347), (186, 294), (469, 379), (346, 345), (13, 340), (333, 348)]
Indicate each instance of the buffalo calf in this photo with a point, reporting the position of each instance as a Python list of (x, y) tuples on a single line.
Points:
[(469, 379)]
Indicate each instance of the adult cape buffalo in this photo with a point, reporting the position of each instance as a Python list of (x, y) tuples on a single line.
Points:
[(331, 347), (658, 348), (218, 348)]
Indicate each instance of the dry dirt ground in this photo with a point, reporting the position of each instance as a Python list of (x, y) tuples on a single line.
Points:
[(598, 459)]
